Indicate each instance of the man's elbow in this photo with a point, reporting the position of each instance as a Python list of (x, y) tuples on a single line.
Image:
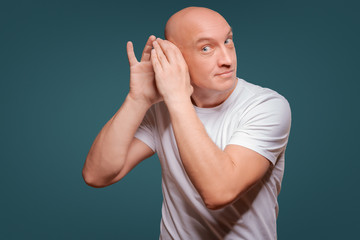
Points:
[(219, 200), (92, 181), (95, 175)]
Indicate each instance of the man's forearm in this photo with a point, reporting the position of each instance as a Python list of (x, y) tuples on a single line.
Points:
[(206, 164), (109, 150)]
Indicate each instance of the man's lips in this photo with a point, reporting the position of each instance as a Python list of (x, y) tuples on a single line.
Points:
[(225, 74)]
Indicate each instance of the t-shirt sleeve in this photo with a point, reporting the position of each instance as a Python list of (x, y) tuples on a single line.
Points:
[(264, 127), (145, 132)]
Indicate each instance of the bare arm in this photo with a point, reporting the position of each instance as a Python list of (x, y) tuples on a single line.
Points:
[(115, 151), (219, 176), (109, 155)]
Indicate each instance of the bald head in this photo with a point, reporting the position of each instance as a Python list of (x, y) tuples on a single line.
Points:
[(188, 21), (205, 40)]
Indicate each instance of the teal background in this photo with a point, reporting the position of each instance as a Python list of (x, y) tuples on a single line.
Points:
[(64, 73)]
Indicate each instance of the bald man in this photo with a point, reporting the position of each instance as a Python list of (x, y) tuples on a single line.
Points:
[(220, 140)]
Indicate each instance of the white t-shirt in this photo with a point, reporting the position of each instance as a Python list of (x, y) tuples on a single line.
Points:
[(254, 117)]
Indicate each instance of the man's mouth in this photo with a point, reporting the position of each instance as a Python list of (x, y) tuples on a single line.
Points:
[(225, 74)]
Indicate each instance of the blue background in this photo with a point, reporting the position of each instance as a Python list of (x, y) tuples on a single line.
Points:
[(64, 73)]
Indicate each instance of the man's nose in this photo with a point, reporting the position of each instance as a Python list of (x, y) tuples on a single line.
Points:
[(224, 58)]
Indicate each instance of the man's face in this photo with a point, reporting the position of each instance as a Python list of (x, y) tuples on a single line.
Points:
[(211, 58)]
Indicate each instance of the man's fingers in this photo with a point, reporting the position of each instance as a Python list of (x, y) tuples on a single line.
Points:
[(147, 49), (155, 61), (178, 57), (169, 50), (160, 54), (131, 54)]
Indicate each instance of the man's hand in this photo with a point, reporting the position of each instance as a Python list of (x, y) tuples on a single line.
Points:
[(142, 76), (171, 72)]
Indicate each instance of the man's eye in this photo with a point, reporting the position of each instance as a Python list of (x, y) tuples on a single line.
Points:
[(227, 41), (206, 49)]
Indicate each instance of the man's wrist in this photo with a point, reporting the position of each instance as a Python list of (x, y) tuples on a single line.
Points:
[(178, 104), (138, 103)]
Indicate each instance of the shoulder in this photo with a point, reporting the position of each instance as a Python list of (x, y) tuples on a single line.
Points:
[(255, 97), (263, 106), (255, 92), (263, 121)]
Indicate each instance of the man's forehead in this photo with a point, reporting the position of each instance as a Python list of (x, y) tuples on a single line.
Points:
[(207, 35), (193, 24)]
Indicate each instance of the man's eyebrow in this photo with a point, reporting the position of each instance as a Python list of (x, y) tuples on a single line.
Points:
[(208, 38)]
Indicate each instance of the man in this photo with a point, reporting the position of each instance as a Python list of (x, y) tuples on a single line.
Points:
[(220, 140)]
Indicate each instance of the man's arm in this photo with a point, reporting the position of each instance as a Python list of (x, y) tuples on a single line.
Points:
[(115, 151), (219, 176)]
